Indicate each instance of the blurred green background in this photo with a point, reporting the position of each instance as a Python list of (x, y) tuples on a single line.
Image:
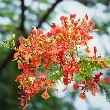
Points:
[(18, 17)]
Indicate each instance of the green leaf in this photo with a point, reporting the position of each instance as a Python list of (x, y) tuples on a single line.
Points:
[(9, 43), (54, 72), (87, 69), (107, 60), (105, 87)]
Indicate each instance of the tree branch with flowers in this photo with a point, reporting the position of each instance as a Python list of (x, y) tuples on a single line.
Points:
[(46, 58)]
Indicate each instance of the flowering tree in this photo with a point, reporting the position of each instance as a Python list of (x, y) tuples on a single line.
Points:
[(46, 58)]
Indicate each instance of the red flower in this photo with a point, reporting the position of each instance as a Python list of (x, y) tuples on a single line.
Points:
[(63, 18), (20, 77), (87, 50), (20, 65), (22, 48), (95, 50), (75, 86), (82, 95), (106, 80), (94, 91), (97, 77), (65, 81), (53, 25), (72, 16), (91, 83), (59, 47), (24, 102), (20, 39), (104, 64), (35, 60), (91, 23), (45, 95), (86, 16), (16, 55)]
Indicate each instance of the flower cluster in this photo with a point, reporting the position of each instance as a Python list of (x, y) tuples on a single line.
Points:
[(91, 84), (59, 47)]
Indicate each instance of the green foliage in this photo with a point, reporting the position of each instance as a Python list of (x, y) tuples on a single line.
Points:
[(54, 72), (105, 89), (103, 27), (87, 69), (9, 43), (107, 60)]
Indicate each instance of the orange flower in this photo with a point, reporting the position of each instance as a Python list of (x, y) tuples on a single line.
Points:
[(35, 60), (27, 56), (104, 64), (16, 55), (65, 81), (91, 23), (45, 95), (87, 50), (86, 16), (95, 51), (63, 18), (82, 95), (75, 86), (22, 47), (106, 80), (94, 91), (20, 77), (20, 65), (72, 16), (39, 51)]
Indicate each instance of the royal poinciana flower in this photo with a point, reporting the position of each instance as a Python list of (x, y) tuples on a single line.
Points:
[(46, 58)]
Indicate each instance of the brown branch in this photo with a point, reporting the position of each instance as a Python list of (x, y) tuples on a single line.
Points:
[(94, 2), (22, 26), (48, 12), (22, 29), (9, 56)]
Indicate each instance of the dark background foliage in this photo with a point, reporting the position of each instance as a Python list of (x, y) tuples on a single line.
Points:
[(18, 16)]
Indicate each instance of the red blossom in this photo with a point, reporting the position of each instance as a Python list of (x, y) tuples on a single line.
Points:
[(75, 86), (24, 103), (16, 55), (94, 91), (106, 79), (53, 25), (87, 50), (20, 40), (95, 50), (45, 95), (97, 77), (104, 64), (63, 18), (91, 23), (22, 48), (91, 83), (86, 16), (82, 95), (65, 80), (72, 16), (20, 77), (20, 65), (58, 46)]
